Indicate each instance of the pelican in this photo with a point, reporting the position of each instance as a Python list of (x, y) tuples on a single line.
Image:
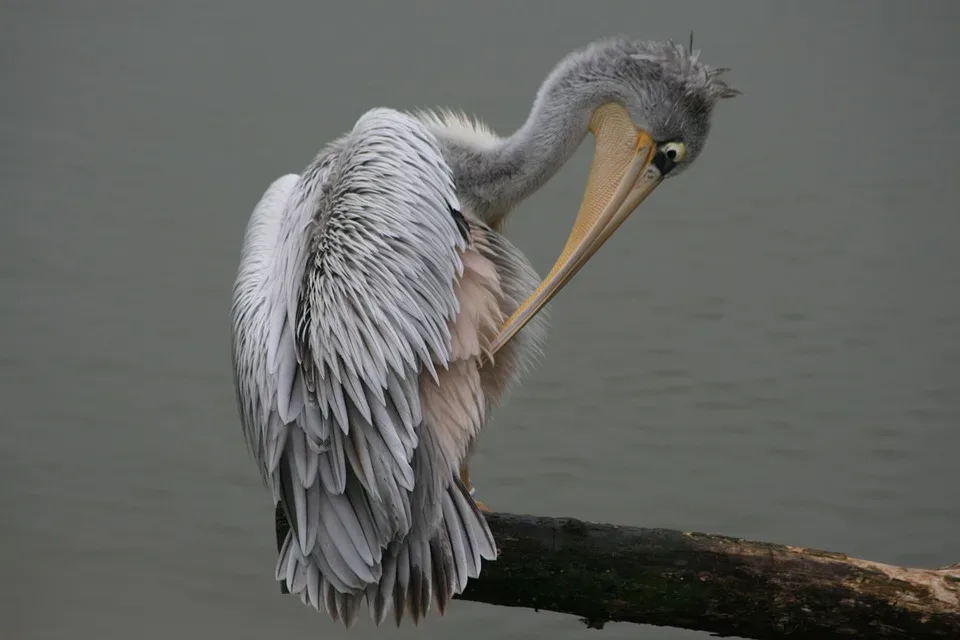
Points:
[(379, 314)]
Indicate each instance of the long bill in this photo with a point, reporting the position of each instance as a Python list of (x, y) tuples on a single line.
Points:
[(621, 177)]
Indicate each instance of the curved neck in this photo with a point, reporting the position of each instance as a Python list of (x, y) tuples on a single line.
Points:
[(495, 178)]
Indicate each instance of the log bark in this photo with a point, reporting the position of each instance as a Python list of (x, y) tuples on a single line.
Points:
[(726, 586)]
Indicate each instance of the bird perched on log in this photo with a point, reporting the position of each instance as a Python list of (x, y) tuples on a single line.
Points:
[(379, 314)]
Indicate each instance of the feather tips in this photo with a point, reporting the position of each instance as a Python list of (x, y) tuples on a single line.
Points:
[(356, 346)]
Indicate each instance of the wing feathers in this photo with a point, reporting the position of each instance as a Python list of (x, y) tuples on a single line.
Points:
[(313, 585), (276, 436), (444, 578), (286, 376), (337, 463), (314, 496), (357, 370), (298, 446), (315, 426), (458, 550), (354, 534), (338, 405), (338, 547)]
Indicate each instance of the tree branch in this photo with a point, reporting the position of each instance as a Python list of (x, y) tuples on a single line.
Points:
[(727, 586)]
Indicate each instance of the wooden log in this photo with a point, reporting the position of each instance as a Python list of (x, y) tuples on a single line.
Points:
[(723, 585), (726, 586)]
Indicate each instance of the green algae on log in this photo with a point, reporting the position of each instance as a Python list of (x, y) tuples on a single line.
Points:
[(726, 586)]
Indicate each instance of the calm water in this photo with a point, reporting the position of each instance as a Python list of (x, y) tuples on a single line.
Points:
[(770, 348)]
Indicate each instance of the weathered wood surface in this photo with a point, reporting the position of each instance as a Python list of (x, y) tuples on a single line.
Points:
[(726, 586)]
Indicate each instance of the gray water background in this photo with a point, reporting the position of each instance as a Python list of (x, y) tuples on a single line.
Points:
[(770, 347)]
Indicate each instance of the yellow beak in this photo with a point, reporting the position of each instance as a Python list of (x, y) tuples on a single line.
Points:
[(621, 177)]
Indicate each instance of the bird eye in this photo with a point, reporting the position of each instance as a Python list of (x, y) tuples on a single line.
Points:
[(675, 151)]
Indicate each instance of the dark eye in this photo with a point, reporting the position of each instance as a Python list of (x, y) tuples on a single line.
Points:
[(675, 151)]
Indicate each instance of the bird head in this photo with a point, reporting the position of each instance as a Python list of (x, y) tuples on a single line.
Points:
[(649, 106)]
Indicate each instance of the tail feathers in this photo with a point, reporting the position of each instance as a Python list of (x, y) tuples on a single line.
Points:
[(415, 573), (306, 576), (418, 574)]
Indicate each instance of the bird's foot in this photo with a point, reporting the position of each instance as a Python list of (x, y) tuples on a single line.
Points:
[(465, 478), (484, 508)]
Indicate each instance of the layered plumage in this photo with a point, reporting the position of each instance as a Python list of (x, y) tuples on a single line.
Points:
[(370, 290), (364, 304)]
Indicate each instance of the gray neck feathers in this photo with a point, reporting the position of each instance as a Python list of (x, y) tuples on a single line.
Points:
[(666, 89), (495, 178)]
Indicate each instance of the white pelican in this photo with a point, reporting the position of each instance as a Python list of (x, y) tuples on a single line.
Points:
[(378, 309)]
